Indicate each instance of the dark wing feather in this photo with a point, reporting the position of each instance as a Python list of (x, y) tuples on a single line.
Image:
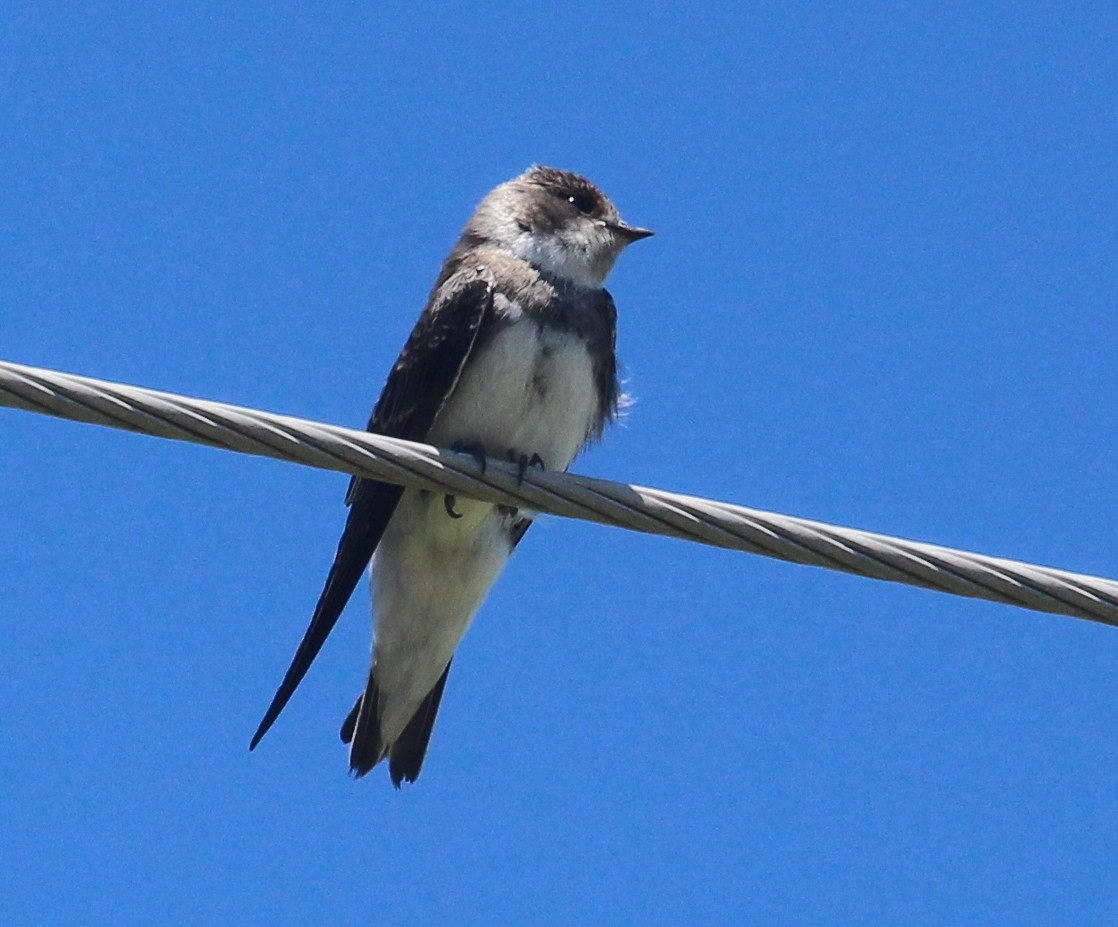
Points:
[(422, 378), (603, 349)]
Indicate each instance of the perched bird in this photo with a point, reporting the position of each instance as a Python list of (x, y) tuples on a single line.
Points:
[(513, 357)]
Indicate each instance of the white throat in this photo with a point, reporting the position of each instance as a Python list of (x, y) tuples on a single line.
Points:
[(556, 257)]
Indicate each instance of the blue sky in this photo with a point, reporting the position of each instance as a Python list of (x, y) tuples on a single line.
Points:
[(881, 294)]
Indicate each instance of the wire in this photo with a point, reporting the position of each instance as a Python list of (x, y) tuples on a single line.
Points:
[(654, 511)]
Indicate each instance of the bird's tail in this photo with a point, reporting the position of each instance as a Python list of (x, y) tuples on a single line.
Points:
[(361, 730)]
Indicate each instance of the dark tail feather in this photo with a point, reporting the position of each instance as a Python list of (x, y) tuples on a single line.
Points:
[(361, 729), (365, 747), (406, 758), (350, 721)]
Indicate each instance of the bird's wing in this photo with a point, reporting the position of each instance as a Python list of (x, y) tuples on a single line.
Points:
[(458, 315)]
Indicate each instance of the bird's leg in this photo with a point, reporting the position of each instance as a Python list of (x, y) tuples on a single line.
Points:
[(477, 452)]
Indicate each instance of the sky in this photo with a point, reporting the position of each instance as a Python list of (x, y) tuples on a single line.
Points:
[(881, 294)]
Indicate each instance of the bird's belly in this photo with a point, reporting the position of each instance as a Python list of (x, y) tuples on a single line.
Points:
[(430, 575), (531, 390)]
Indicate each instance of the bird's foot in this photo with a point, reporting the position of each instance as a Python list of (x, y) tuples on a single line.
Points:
[(477, 452), (523, 462), (474, 448)]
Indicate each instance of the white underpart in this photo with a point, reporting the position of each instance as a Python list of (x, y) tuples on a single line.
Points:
[(531, 390)]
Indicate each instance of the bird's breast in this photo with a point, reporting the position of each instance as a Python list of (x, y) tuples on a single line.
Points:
[(530, 388)]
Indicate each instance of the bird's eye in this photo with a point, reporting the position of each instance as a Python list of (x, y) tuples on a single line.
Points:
[(584, 204)]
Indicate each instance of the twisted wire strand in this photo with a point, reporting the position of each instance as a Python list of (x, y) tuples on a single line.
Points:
[(638, 508)]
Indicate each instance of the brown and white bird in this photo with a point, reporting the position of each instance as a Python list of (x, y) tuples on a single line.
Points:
[(513, 357)]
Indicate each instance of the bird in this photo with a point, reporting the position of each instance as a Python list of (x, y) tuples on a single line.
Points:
[(513, 356)]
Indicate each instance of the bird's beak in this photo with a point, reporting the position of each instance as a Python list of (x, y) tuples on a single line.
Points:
[(629, 233)]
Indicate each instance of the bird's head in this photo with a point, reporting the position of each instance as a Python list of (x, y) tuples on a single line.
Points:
[(558, 221)]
